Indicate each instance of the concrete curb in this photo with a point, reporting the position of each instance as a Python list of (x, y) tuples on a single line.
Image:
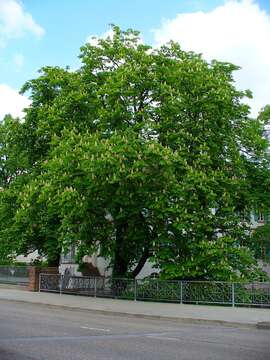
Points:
[(265, 325), (14, 286), (182, 320)]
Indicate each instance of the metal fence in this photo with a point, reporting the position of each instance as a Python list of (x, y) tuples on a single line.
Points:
[(184, 292), (14, 275)]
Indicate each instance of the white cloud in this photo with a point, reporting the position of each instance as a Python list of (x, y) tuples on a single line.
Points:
[(11, 102), (237, 31), (15, 22), (93, 39), (18, 60)]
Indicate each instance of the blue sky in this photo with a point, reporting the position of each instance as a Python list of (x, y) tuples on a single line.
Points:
[(36, 33), (68, 23)]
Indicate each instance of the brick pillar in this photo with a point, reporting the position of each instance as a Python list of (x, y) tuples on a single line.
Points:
[(34, 272)]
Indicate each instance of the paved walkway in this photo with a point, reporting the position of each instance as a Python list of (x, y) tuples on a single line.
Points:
[(244, 317)]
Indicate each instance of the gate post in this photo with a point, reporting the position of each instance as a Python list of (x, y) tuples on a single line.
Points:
[(135, 290), (181, 292), (233, 295), (33, 278), (95, 287), (39, 281), (61, 284)]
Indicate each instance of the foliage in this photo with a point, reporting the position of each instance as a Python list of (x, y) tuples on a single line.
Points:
[(260, 242), (141, 153)]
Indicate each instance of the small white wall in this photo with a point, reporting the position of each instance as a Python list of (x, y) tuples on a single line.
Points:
[(265, 267), (147, 270), (103, 267), (31, 257)]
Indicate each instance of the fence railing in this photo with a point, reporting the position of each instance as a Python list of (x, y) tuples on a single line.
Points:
[(14, 275), (186, 292)]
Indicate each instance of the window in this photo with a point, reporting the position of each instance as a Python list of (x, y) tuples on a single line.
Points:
[(261, 217), (69, 258)]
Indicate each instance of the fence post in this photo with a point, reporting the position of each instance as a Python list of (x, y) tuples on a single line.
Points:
[(135, 290), (39, 281), (95, 287), (61, 284), (181, 292), (233, 295)]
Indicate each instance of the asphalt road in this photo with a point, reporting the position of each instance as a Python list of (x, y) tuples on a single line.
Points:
[(38, 332)]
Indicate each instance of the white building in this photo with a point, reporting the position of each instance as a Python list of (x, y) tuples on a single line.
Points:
[(100, 265)]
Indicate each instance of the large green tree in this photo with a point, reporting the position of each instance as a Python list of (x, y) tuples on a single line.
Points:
[(141, 153)]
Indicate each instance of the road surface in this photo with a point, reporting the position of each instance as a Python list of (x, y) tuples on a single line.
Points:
[(40, 332)]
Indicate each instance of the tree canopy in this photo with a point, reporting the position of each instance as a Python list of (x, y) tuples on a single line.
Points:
[(141, 153)]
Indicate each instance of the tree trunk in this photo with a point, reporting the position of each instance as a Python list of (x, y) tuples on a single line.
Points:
[(55, 261), (141, 263), (120, 265)]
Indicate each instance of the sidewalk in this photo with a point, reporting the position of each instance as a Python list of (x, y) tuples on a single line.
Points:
[(228, 316)]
